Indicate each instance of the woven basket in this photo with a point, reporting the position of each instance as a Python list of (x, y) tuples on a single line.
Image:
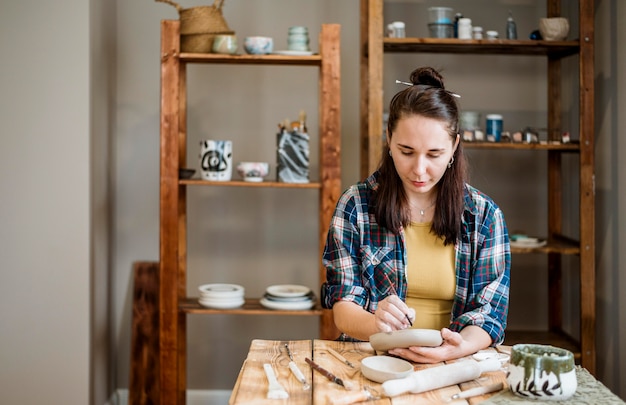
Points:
[(199, 25)]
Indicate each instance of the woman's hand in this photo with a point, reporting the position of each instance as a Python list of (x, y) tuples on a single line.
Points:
[(393, 314), (455, 345)]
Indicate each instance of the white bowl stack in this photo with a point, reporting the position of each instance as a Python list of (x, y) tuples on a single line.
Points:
[(288, 297), (221, 296)]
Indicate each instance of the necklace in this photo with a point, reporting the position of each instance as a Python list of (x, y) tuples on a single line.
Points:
[(423, 210)]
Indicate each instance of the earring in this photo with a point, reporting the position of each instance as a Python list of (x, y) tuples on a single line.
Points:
[(450, 162), (390, 152)]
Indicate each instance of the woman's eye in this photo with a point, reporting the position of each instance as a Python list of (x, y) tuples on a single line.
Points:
[(407, 152)]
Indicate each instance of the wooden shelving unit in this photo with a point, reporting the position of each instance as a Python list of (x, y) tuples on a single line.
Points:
[(374, 46), (174, 304)]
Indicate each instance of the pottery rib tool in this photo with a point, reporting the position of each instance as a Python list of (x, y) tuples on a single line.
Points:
[(275, 390), (339, 356), (295, 370)]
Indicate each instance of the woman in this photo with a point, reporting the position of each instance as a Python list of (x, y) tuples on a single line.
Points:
[(414, 244)]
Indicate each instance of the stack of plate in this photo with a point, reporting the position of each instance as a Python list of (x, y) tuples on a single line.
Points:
[(288, 297), (221, 296)]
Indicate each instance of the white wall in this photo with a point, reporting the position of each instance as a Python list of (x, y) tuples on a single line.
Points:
[(45, 231), (54, 239)]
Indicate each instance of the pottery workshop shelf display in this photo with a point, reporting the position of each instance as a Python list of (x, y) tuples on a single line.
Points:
[(559, 247), (175, 303)]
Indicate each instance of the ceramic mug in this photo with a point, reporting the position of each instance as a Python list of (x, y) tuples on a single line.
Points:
[(226, 44), (542, 372), (216, 160)]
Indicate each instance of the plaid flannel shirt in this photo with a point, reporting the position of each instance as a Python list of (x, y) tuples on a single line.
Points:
[(363, 260)]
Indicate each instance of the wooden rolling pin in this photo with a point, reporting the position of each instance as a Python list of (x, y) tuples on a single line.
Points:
[(439, 376)]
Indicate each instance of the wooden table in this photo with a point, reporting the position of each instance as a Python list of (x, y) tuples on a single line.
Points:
[(251, 386)]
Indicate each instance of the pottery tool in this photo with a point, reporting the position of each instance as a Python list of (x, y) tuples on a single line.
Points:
[(411, 84), (440, 376), (295, 370), (339, 357), (325, 372), (275, 390), (394, 292), (366, 394), (473, 392)]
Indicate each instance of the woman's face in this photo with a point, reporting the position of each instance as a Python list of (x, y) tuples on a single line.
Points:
[(421, 149)]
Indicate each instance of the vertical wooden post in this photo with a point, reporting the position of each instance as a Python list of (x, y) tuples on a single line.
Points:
[(587, 187), (371, 54), (330, 146), (169, 210)]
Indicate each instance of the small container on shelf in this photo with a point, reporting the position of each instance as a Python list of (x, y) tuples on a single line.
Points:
[(464, 28), (440, 15), (441, 30)]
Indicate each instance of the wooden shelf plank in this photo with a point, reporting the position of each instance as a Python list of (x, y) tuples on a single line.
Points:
[(263, 184), (482, 46), (312, 60), (552, 146), (251, 306), (555, 245)]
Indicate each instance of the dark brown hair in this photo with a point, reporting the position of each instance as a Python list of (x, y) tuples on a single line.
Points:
[(427, 97)]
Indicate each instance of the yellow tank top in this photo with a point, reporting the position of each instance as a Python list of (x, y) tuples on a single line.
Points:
[(431, 277)]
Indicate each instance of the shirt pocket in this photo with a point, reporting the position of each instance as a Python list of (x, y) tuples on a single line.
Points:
[(378, 270)]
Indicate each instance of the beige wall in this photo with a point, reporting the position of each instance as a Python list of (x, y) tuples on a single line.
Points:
[(45, 225), (86, 82)]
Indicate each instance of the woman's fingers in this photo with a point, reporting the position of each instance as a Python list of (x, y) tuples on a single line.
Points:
[(392, 314)]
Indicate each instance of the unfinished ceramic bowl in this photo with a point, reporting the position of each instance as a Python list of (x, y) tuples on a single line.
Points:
[(383, 368), (554, 29), (542, 372), (384, 341)]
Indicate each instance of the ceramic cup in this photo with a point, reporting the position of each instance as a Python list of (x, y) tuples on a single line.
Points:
[(542, 372), (258, 45), (226, 44), (216, 160)]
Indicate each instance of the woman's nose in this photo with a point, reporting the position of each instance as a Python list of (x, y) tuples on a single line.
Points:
[(419, 166)]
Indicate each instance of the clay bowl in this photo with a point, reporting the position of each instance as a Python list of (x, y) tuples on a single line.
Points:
[(554, 29), (253, 171), (186, 173), (383, 368)]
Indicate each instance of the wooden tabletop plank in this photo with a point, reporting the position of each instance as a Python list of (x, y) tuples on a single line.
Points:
[(252, 385)]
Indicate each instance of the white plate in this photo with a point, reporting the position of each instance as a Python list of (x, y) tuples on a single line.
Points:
[(221, 304), (288, 290), (528, 244), (288, 306), (271, 297), (294, 53), (221, 290)]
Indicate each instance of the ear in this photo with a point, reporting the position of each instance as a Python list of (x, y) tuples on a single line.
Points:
[(456, 143)]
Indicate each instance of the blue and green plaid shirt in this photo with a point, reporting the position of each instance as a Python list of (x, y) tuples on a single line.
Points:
[(363, 260)]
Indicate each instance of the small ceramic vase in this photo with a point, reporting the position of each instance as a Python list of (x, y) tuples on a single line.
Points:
[(542, 372)]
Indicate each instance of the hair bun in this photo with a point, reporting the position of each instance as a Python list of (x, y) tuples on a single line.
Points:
[(427, 76)]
